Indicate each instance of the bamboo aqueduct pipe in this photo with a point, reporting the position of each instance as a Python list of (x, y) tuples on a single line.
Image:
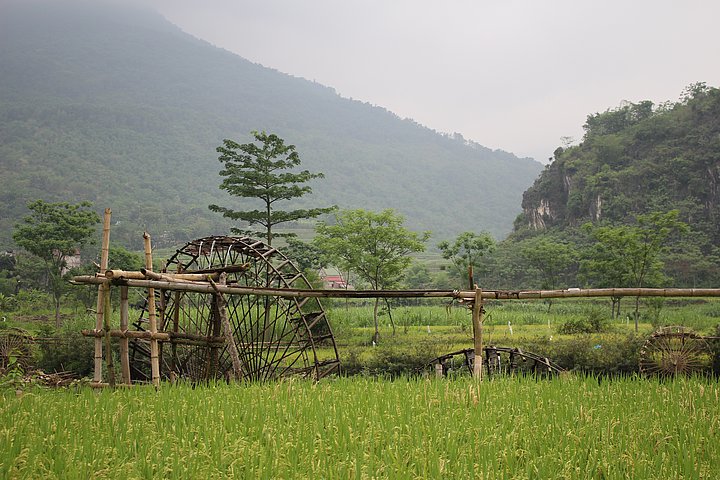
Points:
[(466, 296)]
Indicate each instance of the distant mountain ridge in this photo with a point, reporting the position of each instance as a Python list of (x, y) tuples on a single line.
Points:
[(115, 105)]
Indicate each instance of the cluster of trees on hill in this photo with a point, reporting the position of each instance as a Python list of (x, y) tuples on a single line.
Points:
[(634, 161)]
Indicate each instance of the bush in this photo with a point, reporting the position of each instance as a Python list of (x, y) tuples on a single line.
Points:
[(391, 359), (597, 354), (68, 352), (595, 322), (32, 301)]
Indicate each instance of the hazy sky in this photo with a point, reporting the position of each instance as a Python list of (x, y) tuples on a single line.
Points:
[(515, 75)]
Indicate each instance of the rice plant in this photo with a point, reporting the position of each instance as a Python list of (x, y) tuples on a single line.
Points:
[(571, 427)]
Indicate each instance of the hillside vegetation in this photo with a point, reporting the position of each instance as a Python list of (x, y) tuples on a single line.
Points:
[(636, 159), (636, 163), (119, 107)]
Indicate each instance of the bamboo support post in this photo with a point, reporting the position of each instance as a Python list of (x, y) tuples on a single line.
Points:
[(99, 316), (227, 329), (124, 342), (154, 359), (107, 312), (477, 320)]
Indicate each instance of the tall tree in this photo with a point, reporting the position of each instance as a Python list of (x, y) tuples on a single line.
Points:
[(551, 257), (374, 245), (261, 171), (466, 251), (632, 253), (53, 232)]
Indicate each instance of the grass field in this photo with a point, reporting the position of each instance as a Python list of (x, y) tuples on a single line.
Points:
[(568, 427)]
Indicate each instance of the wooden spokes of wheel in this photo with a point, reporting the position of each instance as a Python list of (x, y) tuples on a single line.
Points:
[(674, 351), (497, 361), (275, 336), (15, 346)]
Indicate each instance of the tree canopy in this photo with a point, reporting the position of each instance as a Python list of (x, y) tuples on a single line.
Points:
[(630, 255), (263, 171), (374, 245), (53, 232), (466, 251)]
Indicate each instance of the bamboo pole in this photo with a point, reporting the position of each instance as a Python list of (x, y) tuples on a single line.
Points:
[(154, 360), (221, 305), (179, 338), (124, 342), (99, 316), (477, 320), (145, 274), (204, 287), (107, 312), (147, 335)]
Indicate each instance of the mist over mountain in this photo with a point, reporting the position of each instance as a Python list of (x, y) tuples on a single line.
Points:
[(115, 105)]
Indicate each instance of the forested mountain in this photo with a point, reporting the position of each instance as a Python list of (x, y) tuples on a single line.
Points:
[(119, 107), (636, 203), (633, 160)]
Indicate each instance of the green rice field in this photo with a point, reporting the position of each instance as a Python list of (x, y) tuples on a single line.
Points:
[(359, 427)]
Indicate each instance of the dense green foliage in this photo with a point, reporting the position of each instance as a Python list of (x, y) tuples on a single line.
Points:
[(116, 106), (264, 172), (467, 251), (364, 428), (376, 246), (53, 232), (634, 161)]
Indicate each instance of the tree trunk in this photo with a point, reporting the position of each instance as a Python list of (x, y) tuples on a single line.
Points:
[(637, 312), (392, 322), (58, 324), (376, 336), (615, 307)]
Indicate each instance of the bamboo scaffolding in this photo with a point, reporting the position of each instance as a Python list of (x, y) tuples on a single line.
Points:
[(100, 307), (212, 281), (154, 358)]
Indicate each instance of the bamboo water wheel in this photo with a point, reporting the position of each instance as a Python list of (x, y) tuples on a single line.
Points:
[(16, 344), (497, 361), (275, 336), (676, 350)]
